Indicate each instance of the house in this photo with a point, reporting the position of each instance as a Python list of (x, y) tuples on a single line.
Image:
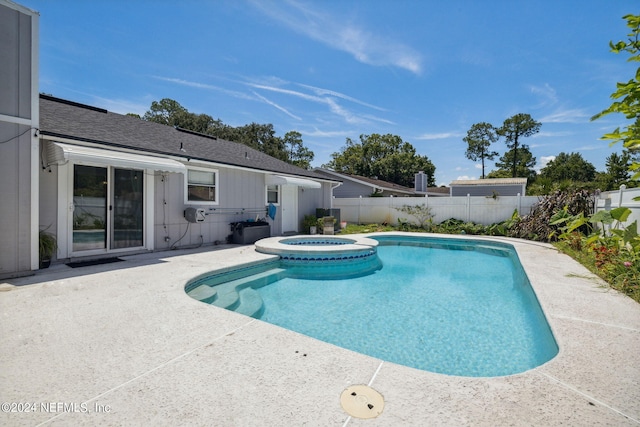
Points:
[(112, 183), (107, 184), (489, 187), (361, 186)]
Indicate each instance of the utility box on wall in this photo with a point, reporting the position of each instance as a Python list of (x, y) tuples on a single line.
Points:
[(194, 215), (248, 232)]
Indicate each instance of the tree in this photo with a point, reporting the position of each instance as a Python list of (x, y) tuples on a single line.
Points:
[(627, 96), (524, 166), (385, 157), (479, 138), (618, 171), (513, 129), (262, 137), (298, 154), (570, 167)]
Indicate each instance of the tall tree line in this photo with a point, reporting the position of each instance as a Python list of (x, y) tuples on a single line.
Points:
[(261, 137)]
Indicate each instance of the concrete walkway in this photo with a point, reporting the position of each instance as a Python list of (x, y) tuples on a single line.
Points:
[(122, 344)]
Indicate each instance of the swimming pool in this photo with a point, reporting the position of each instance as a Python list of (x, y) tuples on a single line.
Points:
[(452, 306)]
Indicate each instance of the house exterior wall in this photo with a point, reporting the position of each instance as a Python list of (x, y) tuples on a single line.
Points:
[(486, 190), (352, 189), (15, 196), (18, 150), (15, 61), (242, 197)]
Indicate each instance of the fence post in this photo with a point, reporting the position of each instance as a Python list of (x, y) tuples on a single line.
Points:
[(468, 207), (621, 193), (519, 203), (359, 207)]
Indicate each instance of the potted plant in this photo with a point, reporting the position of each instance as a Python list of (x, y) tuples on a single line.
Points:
[(48, 247), (327, 223), (309, 224)]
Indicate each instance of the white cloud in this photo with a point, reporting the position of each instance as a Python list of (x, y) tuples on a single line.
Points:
[(330, 101), (198, 85), (547, 93), (544, 161), (478, 165), (566, 116), (366, 46), (122, 106), (442, 135), (545, 134), (465, 177), (327, 134), (321, 92), (592, 147), (284, 110)]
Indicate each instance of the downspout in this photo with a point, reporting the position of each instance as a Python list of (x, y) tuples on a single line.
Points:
[(332, 196)]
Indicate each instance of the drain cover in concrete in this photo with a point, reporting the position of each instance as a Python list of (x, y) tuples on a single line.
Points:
[(362, 401)]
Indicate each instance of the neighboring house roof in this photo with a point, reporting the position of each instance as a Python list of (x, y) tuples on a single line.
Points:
[(490, 181), (70, 120), (444, 191), (371, 182), (384, 185)]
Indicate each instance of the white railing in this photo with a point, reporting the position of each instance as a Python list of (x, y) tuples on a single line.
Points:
[(623, 197), (480, 210)]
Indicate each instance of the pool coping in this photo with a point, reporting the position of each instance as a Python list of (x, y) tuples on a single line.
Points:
[(276, 245), (127, 337)]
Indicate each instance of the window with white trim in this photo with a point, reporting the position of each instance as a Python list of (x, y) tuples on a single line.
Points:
[(202, 186), (273, 194)]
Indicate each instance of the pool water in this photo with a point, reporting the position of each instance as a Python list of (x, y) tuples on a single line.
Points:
[(452, 307)]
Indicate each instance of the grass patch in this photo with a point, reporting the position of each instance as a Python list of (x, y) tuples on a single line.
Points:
[(366, 228)]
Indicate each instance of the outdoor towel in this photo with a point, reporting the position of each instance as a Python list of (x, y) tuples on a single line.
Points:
[(272, 211)]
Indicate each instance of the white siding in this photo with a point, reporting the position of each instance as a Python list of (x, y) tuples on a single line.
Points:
[(18, 152), (242, 197)]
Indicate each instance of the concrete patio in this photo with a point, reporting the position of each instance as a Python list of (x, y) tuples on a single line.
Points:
[(122, 344)]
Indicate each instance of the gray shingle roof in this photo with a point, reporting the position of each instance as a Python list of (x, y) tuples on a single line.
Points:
[(66, 119), (374, 183), (490, 181)]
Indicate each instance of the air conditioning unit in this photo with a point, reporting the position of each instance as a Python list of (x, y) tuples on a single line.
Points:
[(194, 215)]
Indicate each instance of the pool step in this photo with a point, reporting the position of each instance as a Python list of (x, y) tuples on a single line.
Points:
[(204, 293), (250, 302), (239, 295)]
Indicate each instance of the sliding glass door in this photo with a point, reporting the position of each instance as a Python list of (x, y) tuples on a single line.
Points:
[(127, 209), (89, 208), (107, 208)]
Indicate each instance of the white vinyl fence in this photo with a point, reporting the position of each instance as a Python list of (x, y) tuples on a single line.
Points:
[(623, 197), (480, 210)]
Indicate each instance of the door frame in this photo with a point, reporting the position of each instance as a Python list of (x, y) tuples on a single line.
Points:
[(289, 206), (66, 206)]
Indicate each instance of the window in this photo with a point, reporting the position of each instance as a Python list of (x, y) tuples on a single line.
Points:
[(202, 186), (273, 194)]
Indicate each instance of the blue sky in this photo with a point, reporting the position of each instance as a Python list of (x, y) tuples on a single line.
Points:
[(331, 70)]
